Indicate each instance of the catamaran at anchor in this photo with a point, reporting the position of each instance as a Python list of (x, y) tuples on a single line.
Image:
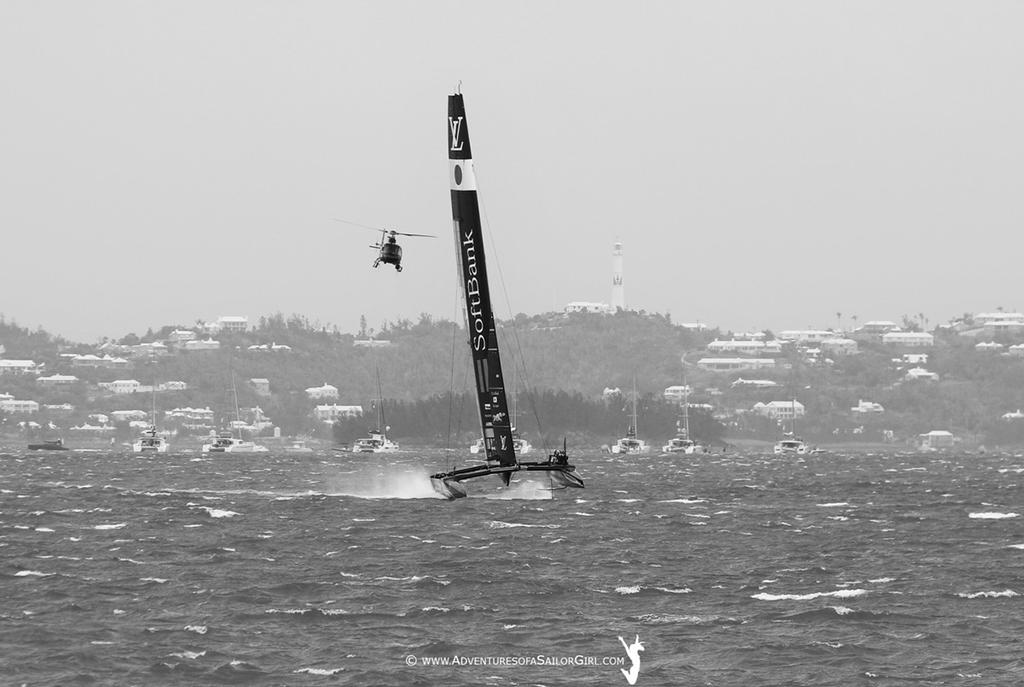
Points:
[(492, 403), (378, 441)]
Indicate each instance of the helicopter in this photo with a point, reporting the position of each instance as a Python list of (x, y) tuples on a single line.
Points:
[(389, 252)]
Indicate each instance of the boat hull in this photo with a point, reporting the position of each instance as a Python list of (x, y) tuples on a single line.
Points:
[(562, 474), (449, 489), (149, 448)]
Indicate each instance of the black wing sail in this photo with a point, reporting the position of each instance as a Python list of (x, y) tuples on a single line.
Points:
[(492, 403), (495, 423)]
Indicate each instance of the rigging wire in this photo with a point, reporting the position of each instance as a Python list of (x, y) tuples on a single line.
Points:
[(450, 461), (518, 359)]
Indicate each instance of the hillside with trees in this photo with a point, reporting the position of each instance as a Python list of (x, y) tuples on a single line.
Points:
[(564, 370)]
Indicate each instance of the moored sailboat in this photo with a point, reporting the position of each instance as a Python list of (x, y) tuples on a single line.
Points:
[(378, 441), (790, 442), (151, 440), (227, 442), (492, 404), (681, 442), (631, 443)]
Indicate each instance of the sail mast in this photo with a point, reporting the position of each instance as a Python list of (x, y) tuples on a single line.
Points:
[(492, 404), (380, 406)]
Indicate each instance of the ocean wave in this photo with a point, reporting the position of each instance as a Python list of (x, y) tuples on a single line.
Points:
[(218, 512), (837, 504), (839, 594), (191, 655), (31, 573), (198, 629), (992, 516), (500, 524), (115, 526), (635, 589), (683, 619), (1005, 594), (319, 671)]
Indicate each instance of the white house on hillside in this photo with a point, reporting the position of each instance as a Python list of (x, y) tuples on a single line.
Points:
[(56, 380), (20, 367), (676, 394), (806, 335), (868, 407), (754, 383), (322, 392), (729, 364), (922, 339), (919, 373), (208, 344), (583, 306), (330, 413), (10, 405), (780, 410), (839, 346), (745, 347), (232, 323), (121, 386)]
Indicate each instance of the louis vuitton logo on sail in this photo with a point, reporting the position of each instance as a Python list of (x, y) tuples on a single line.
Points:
[(473, 299), (456, 127)]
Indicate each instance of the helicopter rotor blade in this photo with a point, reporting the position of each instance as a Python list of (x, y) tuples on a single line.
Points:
[(402, 233), (357, 224)]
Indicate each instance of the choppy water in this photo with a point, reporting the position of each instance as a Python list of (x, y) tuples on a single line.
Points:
[(733, 570)]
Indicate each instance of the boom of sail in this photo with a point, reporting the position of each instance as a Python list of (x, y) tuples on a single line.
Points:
[(492, 403)]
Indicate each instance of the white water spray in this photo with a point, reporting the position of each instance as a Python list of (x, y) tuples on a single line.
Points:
[(526, 489), (369, 482)]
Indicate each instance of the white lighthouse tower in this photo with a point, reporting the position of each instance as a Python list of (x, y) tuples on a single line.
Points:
[(618, 290)]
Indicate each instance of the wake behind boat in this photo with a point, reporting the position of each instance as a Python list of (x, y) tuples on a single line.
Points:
[(495, 421)]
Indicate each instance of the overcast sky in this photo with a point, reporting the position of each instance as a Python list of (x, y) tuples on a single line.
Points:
[(765, 164)]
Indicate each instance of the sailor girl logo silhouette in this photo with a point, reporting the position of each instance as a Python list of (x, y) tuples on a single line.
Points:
[(633, 651)]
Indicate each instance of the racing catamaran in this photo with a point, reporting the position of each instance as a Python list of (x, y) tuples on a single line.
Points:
[(492, 403)]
